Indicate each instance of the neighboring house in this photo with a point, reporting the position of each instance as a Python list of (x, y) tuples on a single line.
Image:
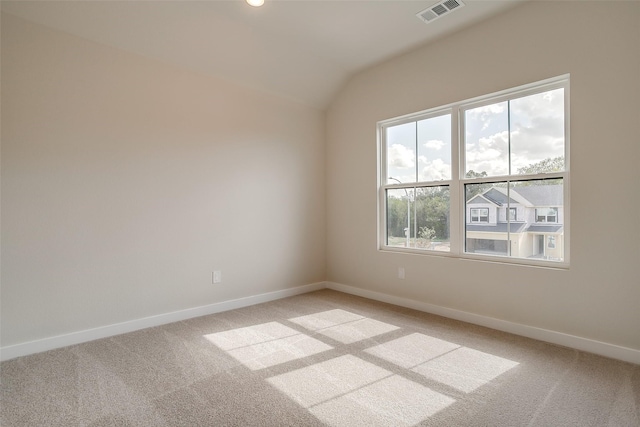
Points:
[(529, 219)]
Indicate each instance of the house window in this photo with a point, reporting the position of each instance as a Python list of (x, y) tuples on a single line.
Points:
[(547, 215), (551, 242), (499, 150), (480, 215)]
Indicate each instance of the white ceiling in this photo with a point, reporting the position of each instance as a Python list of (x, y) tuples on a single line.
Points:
[(301, 49)]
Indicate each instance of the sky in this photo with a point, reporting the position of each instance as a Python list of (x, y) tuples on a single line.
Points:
[(533, 125)]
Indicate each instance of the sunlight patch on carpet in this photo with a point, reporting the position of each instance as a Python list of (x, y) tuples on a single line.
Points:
[(256, 334), (265, 345), (465, 369), (412, 350), (325, 319), (459, 367), (326, 380), (393, 401), (343, 326), (350, 391)]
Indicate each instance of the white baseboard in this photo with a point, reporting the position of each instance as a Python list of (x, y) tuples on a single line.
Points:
[(566, 340), (597, 347), (37, 346)]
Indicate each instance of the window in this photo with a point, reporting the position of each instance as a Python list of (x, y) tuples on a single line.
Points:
[(480, 215), (418, 172), (445, 170), (547, 215)]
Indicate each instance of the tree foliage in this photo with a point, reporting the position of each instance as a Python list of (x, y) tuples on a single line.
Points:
[(426, 233), (473, 189), (429, 211), (474, 174), (555, 164), (429, 207)]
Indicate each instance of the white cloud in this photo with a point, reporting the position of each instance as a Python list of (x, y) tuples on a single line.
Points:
[(489, 109), (485, 113), (498, 140), (489, 155), (545, 104), (537, 133), (435, 170), (434, 144), (401, 157)]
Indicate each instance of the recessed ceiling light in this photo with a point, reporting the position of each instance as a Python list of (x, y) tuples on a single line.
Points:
[(255, 3)]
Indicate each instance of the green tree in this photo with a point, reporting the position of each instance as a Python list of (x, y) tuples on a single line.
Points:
[(432, 211), (429, 212), (396, 216), (427, 233), (555, 164), (473, 189), (473, 174)]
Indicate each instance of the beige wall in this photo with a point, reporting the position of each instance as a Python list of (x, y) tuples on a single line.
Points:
[(597, 42), (126, 182)]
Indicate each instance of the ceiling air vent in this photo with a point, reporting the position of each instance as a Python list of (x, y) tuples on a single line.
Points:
[(437, 10)]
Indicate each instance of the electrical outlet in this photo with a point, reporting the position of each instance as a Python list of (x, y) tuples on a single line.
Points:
[(400, 272), (217, 276)]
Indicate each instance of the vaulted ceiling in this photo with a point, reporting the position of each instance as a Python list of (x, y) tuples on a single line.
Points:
[(301, 49)]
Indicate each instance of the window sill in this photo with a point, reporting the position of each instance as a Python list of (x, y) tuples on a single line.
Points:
[(492, 259)]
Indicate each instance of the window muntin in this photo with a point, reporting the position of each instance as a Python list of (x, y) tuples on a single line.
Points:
[(505, 144)]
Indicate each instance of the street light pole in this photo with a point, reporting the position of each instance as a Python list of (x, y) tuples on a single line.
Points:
[(408, 229)]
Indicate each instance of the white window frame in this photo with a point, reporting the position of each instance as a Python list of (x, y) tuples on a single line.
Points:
[(457, 214)]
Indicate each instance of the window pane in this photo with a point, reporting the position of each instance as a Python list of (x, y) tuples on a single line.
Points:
[(486, 228), (399, 217), (487, 141), (534, 228), (434, 148), (432, 218), (543, 234), (401, 153), (537, 133)]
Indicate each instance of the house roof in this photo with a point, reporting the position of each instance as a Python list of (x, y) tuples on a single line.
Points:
[(480, 198), (541, 195), (544, 228), (498, 197), (533, 195)]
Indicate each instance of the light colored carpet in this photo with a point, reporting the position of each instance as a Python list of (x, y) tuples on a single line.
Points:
[(323, 358)]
